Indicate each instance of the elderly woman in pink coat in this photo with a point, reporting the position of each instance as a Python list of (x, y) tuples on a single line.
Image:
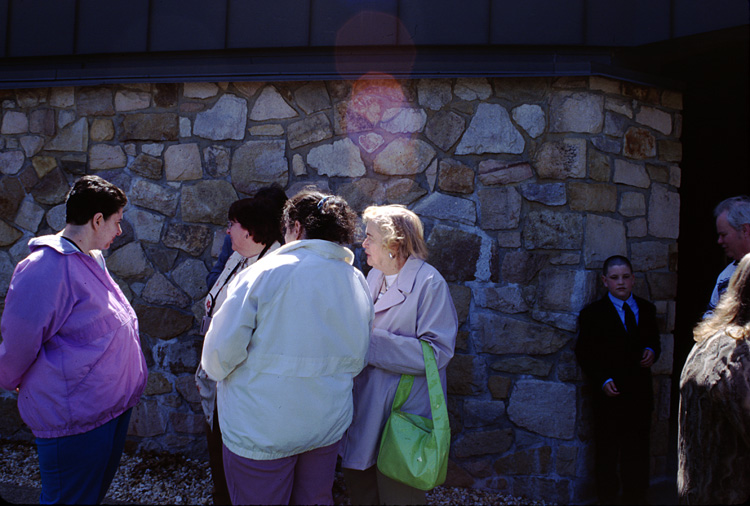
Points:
[(412, 304)]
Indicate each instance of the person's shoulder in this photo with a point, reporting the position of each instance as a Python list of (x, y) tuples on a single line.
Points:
[(596, 306), (644, 303)]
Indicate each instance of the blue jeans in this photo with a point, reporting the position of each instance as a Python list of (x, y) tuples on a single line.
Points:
[(79, 469)]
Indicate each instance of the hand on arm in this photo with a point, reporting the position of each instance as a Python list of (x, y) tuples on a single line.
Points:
[(647, 360)]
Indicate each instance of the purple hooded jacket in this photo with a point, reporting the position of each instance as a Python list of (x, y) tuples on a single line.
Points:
[(70, 342)]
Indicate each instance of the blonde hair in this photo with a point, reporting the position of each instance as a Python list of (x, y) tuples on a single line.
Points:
[(732, 313), (402, 230)]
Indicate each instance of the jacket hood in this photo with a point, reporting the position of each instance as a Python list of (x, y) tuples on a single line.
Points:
[(323, 248), (56, 242)]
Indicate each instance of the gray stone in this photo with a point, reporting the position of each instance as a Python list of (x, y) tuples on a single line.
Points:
[(14, 122), (225, 120), (620, 106), (563, 321), (164, 258), (631, 173), (270, 105), (94, 101), (65, 118), (29, 215), (149, 127), (444, 207), (534, 461), (454, 253), (8, 234), (500, 208), (6, 271), (662, 285), (507, 299), (207, 201), (483, 443), (655, 118), (190, 275), (455, 177), (551, 230), (499, 386), (472, 88), (200, 90), (362, 193), (102, 130), (544, 407), (562, 289), (313, 97), (599, 166), (403, 191), (561, 159), (550, 194), (11, 162), (216, 161), (106, 156), (540, 489), (670, 151), (127, 100), (157, 384), (298, 165), (483, 413), (155, 197), (607, 144), (147, 226), (31, 144), (491, 131), (497, 172), (522, 266), (259, 163), (147, 420), (182, 162), (604, 237), (592, 197), (576, 112), (403, 120), (632, 204), (191, 239), (444, 129), (663, 212), (129, 262), (147, 166), (615, 125), (403, 157), (267, 130), (638, 227), (639, 144), (56, 217), (370, 141), (186, 127), (185, 385), (502, 335), (62, 97), (74, 137), (187, 423), (309, 130), (434, 93), (51, 189), (649, 255), (342, 158), (180, 357), (531, 118), (153, 149), (160, 291)]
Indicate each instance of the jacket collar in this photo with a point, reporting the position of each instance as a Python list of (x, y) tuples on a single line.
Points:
[(404, 284), (56, 242), (323, 248)]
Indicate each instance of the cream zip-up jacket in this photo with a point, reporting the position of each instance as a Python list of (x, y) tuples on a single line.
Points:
[(285, 346)]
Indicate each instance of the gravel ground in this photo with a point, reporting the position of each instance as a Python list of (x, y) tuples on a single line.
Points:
[(163, 478)]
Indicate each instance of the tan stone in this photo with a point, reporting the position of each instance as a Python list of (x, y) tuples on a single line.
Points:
[(267, 130), (655, 118), (106, 156), (43, 165), (561, 159), (632, 204), (200, 90), (14, 122), (670, 151), (102, 130), (672, 99), (492, 172), (633, 174), (592, 197), (620, 106), (637, 227), (455, 177), (62, 97), (182, 162), (604, 84), (599, 166), (127, 100)]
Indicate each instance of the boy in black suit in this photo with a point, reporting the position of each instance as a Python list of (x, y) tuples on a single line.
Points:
[(618, 342)]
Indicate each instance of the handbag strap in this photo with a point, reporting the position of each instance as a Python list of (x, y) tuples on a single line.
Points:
[(437, 399)]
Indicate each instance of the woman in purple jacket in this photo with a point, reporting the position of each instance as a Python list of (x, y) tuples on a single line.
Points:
[(412, 304), (71, 350)]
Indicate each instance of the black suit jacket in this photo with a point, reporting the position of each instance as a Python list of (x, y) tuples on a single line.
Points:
[(605, 350)]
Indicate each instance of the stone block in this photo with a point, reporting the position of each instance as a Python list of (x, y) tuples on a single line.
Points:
[(187, 423), (94, 101), (362, 193), (655, 118), (12, 194), (662, 285), (155, 197), (259, 163), (207, 201), (56, 217), (465, 375), (74, 137), (162, 322), (561, 159), (523, 365), (619, 105), (403, 191), (639, 144), (599, 166), (490, 131), (224, 121), (649, 255), (309, 130), (663, 212), (486, 442), (455, 177), (401, 157), (562, 321), (14, 122), (498, 172), (509, 299), (502, 335), (130, 100), (129, 261), (11, 162), (403, 120), (29, 215), (479, 413), (642, 93), (444, 207), (42, 121), (472, 89), (191, 239), (549, 194), (544, 407), (632, 204), (461, 296), (672, 99), (533, 461), (562, 289), (200, 90), (592, 197), (106, 156), (664, 364), (62, 97), (51, 189), (271, 105), (147, 419), (567, 367), (182, 356), (190, 275), (160, 291), (186, 387), (604, 237), (500, 208), (370, 141), (149, 127), (631, 173), (157, 384), (499, 386), (576, 112), (604, 84), (531, 118), (670, 151), (615, 125), (552, 230), (458, 477), (434, 93), (182, 162), (454, 253), (312, 97)]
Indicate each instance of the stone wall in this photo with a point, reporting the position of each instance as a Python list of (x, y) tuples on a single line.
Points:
[(525, 187)]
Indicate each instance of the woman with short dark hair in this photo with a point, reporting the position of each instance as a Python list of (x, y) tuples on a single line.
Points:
[(71, 348), (285, 347)]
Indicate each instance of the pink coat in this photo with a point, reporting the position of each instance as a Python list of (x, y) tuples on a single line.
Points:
[(70, 342), (417, 307)]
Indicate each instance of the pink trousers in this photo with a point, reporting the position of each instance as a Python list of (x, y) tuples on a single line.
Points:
[(306, 478)]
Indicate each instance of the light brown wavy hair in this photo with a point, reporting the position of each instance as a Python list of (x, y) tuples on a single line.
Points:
[(402, 230), (732, 313)]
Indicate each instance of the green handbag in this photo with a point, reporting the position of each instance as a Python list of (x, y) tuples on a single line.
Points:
[(414, 449)]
